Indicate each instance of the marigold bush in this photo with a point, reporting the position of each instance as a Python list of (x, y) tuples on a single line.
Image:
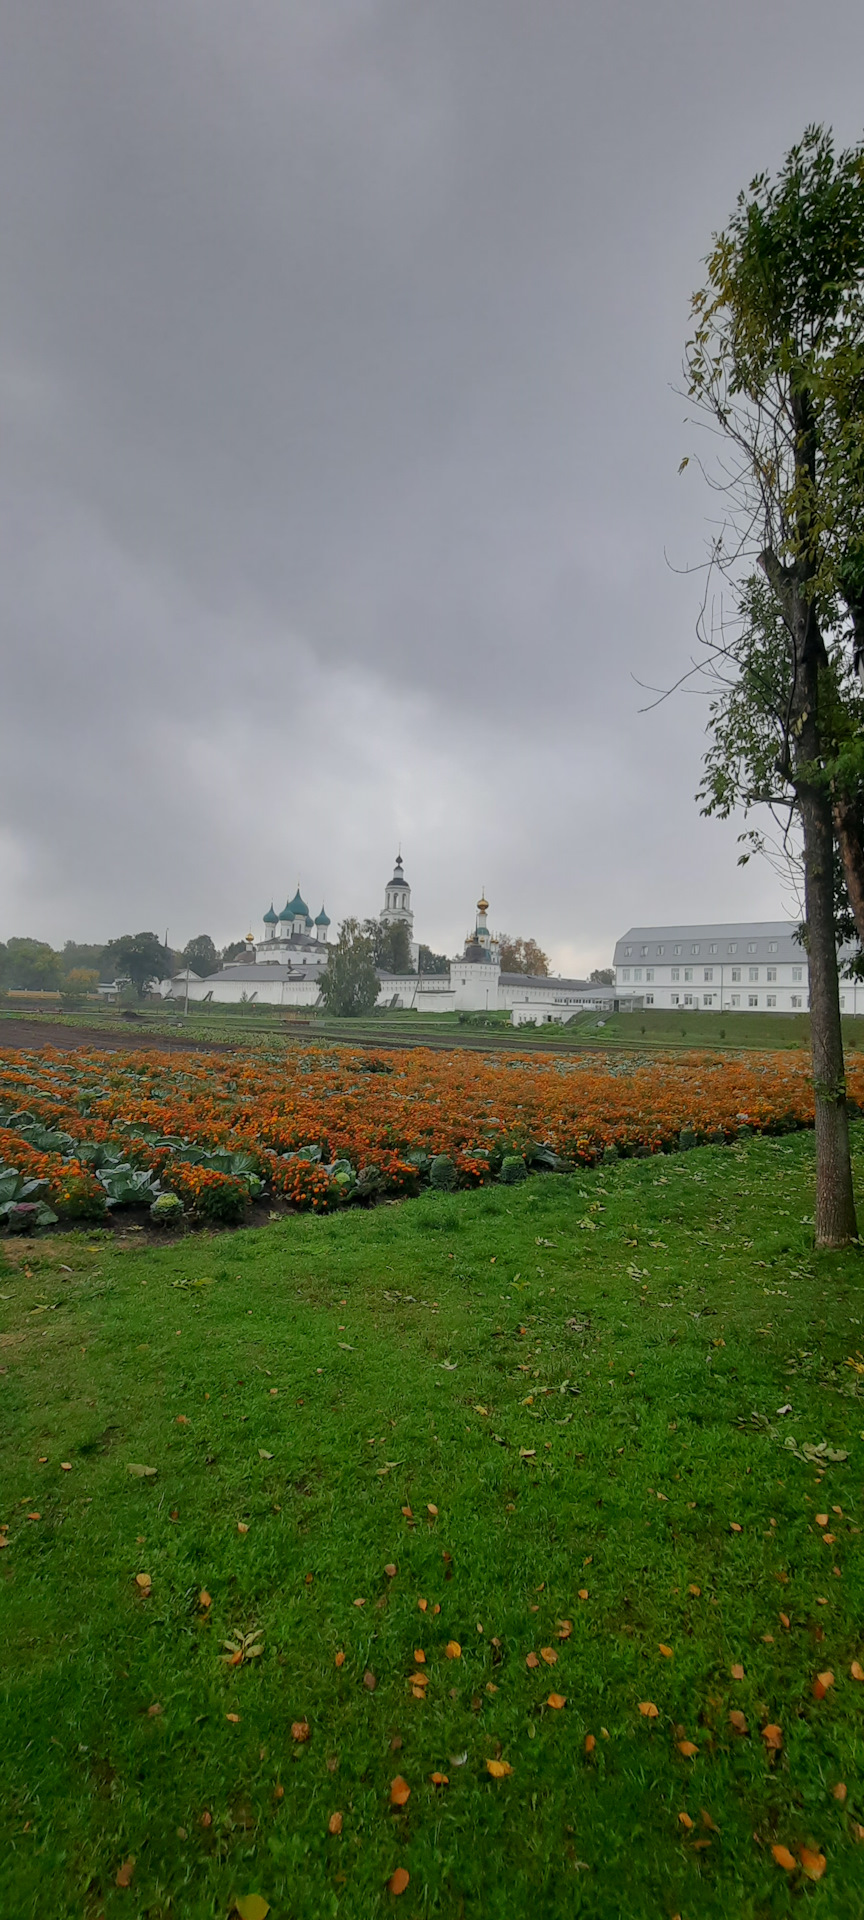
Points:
[(312, 1123)]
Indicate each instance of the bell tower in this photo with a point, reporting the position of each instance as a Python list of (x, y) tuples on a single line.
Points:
[(397, 899)]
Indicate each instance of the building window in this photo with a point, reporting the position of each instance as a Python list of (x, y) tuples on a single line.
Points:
[(708, 973), (797, 973), (771, 1000), (649, 999), (772, 973), (734, 999), (732, 947), (688, 999), (649, 973), (713, 947), (676, 973), (796, 999), (625, 973), (751, 946), (688, 973), (695, 949), (752, 999), (736, 973), (675, 999), (707, 999), (660, 952), (627, 952), (637, 973), (676, 950), (644, 952), (772, 946), (752, 973)]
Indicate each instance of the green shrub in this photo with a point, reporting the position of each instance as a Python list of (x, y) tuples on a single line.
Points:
[(513, 1168)]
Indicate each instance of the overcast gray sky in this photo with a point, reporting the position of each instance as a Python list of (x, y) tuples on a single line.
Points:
[(338, 347)]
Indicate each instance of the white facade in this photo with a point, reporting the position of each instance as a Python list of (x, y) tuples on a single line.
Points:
[(758, 967)]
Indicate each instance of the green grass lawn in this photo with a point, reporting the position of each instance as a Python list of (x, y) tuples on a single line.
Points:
[(557, 1403)]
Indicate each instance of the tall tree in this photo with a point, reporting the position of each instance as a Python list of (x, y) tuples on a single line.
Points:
[(775, 366), (350, 983), (139, 957), (603, 976), (200, 955), (430, 962), (522, 956), (78, 954), (391, 945), (31, 965)]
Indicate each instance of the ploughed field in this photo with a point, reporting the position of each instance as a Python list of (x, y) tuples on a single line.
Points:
[(495, 1555), (203, 1135)]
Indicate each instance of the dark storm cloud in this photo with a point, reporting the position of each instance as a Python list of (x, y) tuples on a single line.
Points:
[(340, 449)]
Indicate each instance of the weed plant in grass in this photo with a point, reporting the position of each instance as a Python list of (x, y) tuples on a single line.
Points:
[(445, 1463)]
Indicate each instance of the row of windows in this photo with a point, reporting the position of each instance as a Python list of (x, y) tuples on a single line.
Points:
[(735, 999), (708, 974), (696, 948)]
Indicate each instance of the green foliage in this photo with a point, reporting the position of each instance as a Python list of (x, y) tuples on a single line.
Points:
[(140, 957), (604, 976), (200, 955), (30, 966), (433, 962), (167, 1210), (350, 983), (513, 1169), (77, 984), (390, 945), (522, 956), (77, 954)]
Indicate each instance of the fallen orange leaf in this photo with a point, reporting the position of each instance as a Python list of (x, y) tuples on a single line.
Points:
[(67, 1468), (785, 1620), (822, 1685), (440, 1779), (419, 1656), (154, 1711), (784, 1858), (738, 1720), (340, 1658), (242, 1526), (839, 1791), (688, 1748), (233, 1716), (300, 1731), (590, 1743), (431, 1509), (707, 1820), (124, 1873), (557, 1700), (390, 1570), (856, 1670), (666, 1651), (453, 1650), (422, 1604), (583, 1593), (685, 1820), (812, 1863), (334, 1824), (144, 1581), (531, 1660), (648, 1709), (407, 1512), (398, 1881), (772, 1737), (565, 1629), (549, 1655), (204, 1599), (499, 1769), (696, 1592), (399, 1791), (206, 1819), (737, 1672), (734, 1527), (821, 1519)]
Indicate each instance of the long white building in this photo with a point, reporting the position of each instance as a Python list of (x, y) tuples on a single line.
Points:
[(746, 967)]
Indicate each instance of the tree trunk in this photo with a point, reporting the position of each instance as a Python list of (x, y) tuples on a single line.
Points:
[(852, 855), (835, 1222)]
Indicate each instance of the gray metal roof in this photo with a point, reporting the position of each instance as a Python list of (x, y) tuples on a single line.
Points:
[(768, 939)]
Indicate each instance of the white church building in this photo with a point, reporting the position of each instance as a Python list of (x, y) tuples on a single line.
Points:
[(284, 968)]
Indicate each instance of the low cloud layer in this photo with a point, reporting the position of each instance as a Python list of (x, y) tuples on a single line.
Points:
[(339, 485)]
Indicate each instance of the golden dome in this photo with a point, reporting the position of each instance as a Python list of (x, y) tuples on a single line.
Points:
[(482, 904)]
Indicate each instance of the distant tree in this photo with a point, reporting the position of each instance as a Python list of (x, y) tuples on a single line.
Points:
[(521, 956), (31, 965), (350, 983), (200, 955), (76, 984), (232, 952), (139, 956), (75, 954), (433, 962), (603, 976), (391, 945)]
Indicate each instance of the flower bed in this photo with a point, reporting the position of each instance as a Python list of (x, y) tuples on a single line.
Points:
[(324, 1127)]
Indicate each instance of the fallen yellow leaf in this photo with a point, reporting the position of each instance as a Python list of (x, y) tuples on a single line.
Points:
[(557, 1700), (784, 1858), (399, 1791), (813, 1863), (648, 1709), (499, 1769)]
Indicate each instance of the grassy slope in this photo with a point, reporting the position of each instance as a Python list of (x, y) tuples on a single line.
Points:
[(695, 1302)]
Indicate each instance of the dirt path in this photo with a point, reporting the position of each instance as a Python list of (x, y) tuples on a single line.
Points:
[(30, 1036)]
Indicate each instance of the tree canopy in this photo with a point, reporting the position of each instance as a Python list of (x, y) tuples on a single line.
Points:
[(776, 368), (140, 957), (350, 983), (521, 956), (200, 955)]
